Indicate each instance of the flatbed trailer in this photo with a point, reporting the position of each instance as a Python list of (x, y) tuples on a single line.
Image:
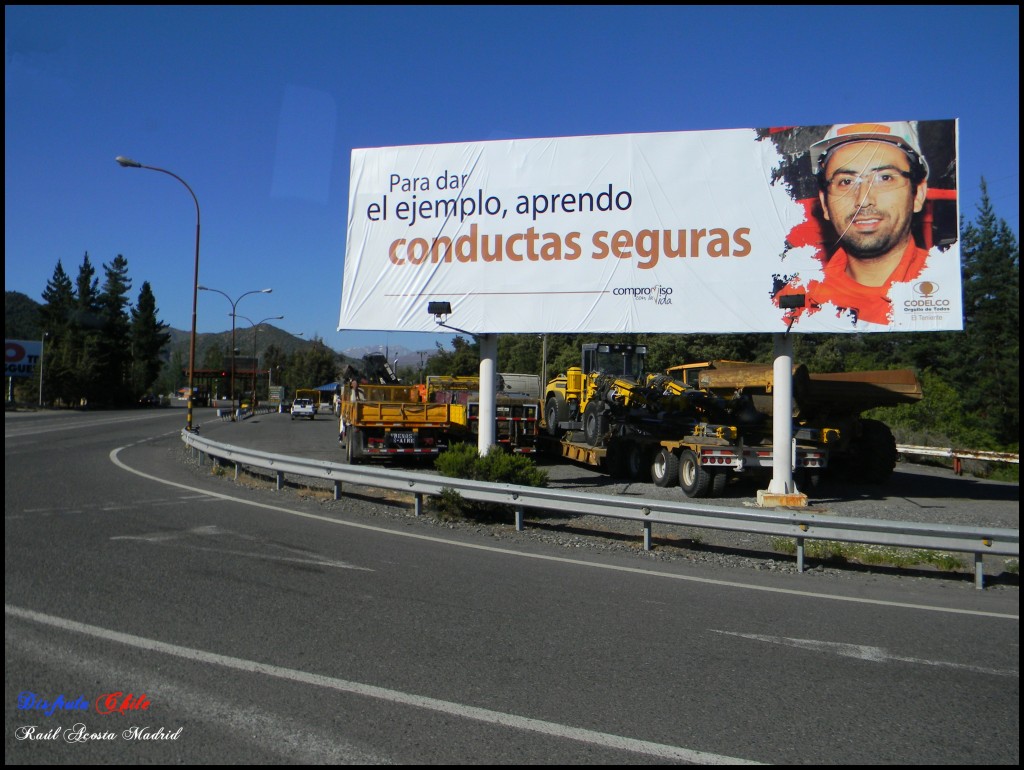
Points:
[(700, 465)]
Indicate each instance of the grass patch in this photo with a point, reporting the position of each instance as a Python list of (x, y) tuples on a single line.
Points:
[(874, 555)]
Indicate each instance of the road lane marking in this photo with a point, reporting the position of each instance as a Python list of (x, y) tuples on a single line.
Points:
[(559, 559), (554, 729), (865, 652), (212, 530)]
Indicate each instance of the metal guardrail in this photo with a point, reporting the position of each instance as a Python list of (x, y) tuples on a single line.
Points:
[(800, 525)]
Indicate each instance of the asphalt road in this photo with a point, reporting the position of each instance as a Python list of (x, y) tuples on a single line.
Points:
[(283, 627)]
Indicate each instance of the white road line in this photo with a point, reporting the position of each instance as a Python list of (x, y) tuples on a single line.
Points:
[(866, 652), (27, 429), (607, 740), (564, 560)]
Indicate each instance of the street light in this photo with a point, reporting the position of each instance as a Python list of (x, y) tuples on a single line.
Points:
[(255, 355), (129, 163), (234, 304), (42, 357)]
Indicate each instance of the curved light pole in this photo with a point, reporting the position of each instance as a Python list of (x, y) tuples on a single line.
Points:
[(234, 304), (255, 355), (129, 163)]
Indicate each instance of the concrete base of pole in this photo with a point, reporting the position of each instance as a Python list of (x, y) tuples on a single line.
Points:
[(766, 499)]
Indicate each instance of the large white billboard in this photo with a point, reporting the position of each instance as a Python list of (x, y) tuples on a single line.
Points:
[(742, 230)]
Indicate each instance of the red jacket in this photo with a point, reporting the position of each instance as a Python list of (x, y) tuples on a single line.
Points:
[(871, 303)]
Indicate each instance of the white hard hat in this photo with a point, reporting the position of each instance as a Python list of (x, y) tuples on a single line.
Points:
[(903, 135)]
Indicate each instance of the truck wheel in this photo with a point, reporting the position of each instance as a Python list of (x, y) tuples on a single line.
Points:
[(876, 453), (665, 468), (719, 481), (638, 461), (693, 478), (353, 446), (616, 462), (552, 413), (595, 423)]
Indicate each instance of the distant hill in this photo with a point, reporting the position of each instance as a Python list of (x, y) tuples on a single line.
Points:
[(22, 322), (406, 358), (21, 317), (267, 335)]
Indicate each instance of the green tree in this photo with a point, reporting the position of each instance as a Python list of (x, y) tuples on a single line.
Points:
[(463, 360), (988, 363), (55, 317), (113, 350), (275, 360), (310, 368), (148, 340)]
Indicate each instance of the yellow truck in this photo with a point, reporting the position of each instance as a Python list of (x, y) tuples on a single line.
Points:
[(392, 421)]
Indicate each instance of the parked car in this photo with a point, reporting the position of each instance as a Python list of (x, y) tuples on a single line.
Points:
[(303, 407)]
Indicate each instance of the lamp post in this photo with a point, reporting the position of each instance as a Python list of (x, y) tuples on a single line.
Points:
[(129, 163), (42, 357), (255, 355), (234, 305)]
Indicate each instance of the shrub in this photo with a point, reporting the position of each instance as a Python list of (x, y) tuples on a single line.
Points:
[(463, 461)]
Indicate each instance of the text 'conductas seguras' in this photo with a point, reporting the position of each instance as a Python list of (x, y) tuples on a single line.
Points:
[(410, 201)]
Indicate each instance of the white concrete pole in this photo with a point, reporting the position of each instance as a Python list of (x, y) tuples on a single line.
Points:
[(782, 421), (488, 389)]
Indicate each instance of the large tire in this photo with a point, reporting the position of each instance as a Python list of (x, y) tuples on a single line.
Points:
[(719, 481), (595, 423), (552, 416), (665, 468), (876, 453), (694, 480), (638, 462)]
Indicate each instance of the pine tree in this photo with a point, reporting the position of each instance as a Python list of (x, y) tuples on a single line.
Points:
[(84, 336), (148, 340), (988, 361), (114, 353), (55, 315)]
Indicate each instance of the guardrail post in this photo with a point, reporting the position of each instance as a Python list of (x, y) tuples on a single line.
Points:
[(979, 572), (799, 554), (236, 471), (417, 506), (337, 489), (280, 480), (519, 518), (647, 535)]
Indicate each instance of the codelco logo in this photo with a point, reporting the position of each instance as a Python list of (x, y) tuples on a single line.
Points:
[(660, 295), (926, 291)]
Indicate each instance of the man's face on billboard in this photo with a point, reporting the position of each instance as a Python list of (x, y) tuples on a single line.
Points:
[(869, 198)]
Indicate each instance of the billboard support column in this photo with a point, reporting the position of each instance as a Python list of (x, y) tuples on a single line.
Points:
[(782, 490), (488, 390)]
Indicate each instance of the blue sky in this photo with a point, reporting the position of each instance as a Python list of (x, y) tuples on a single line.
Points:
[(258, 109)]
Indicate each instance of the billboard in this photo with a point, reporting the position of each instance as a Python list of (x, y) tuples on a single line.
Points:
[(21, 357), (730, 231)]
